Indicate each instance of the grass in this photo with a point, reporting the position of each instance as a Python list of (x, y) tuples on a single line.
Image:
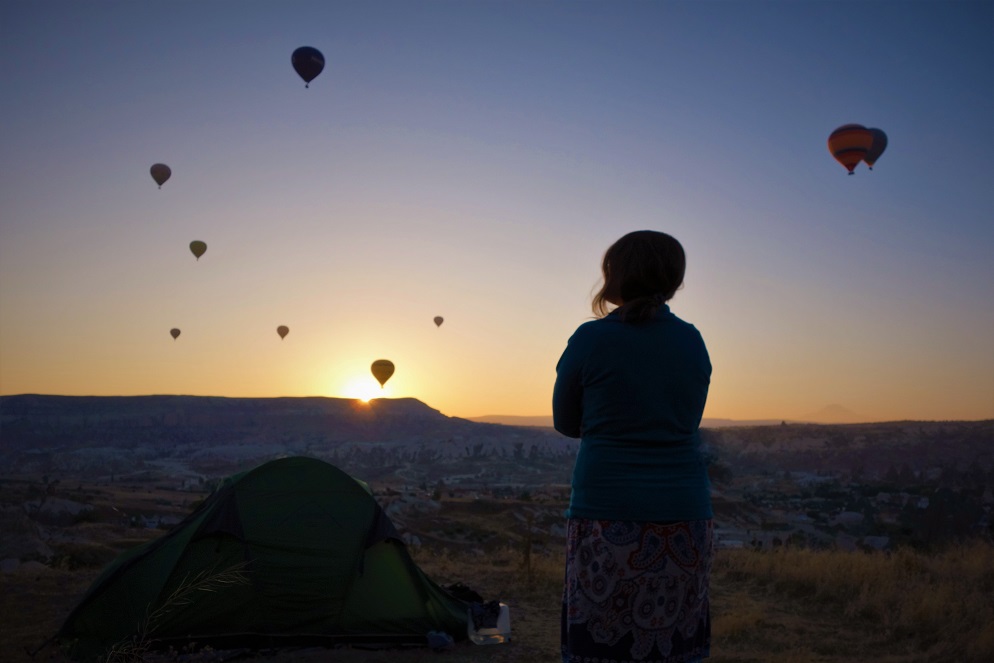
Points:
[(137, 648), (939, 605), (787, 605)]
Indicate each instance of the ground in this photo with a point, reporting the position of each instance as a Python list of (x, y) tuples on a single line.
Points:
[(772, 607)]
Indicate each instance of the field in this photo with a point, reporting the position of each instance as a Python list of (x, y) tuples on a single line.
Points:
[(782, 606)]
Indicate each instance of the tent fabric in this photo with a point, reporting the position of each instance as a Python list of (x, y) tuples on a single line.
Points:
[(321, 563)]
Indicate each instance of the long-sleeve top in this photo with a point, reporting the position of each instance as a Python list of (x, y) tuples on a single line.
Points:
[(635, 393)]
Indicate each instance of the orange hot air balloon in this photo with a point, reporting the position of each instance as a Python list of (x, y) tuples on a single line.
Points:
[(382, 370), (282, 330), (877, 147), (849, 145), (198, 248), (174, 333), (160, 173), (439, 320)]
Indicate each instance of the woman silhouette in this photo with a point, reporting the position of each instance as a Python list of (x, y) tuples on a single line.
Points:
[(632, 385)]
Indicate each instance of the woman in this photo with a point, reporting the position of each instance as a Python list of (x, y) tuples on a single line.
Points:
[(632, 385)]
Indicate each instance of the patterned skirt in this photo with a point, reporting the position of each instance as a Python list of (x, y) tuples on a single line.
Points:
[(637, 591)]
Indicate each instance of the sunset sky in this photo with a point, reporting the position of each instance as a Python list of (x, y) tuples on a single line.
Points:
[(473, 160)]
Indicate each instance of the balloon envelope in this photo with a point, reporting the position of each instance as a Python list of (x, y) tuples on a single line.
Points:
[(174, 333), (877, 147), (308, 63), (439, 320), (160, 173), (282, 330), (382, 370), (849, 145), (198, 248)]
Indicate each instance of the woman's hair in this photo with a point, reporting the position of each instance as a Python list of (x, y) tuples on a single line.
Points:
[(641, 270)]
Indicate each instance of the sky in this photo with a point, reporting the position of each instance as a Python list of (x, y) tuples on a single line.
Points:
[(474, 160)]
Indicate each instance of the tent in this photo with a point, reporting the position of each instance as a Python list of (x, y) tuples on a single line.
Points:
[(292, 552)]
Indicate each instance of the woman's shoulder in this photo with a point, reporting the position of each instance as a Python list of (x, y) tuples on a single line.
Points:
[(668, 317), (663, 322), (589, 334), (597, 326)]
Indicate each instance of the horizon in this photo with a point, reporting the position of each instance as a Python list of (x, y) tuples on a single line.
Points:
[(473, 162), (828, 416)]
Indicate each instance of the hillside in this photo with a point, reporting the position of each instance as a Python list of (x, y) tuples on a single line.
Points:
[(84, 478), (209, 438), (784, 606), (848, 485), (545, 421)]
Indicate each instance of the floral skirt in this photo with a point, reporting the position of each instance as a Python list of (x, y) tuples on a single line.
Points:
[(637, 591)]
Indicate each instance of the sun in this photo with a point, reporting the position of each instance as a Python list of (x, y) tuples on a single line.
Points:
[(363, 389)]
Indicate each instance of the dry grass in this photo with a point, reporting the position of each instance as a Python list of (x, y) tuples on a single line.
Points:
[(788, 606), (783, 606), (904, 606), (136, 648)]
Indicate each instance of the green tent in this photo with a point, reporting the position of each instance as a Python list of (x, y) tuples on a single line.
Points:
[(292, 552)]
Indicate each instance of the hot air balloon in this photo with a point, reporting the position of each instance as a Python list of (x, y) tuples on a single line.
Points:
[(282, 330), (439, 320), (198, 248), (308, 63), (382, 370), (160, 173), (877, 147), (174, 333), (849, 144)]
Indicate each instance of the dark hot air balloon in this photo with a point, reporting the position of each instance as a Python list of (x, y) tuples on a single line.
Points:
[(282, 330), (849, 145), (198, 248), (382, 370), (174, 333), (160, 173), (877, 147), (439, 320), (308, 63)]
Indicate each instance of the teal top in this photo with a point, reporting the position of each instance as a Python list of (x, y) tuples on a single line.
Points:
[(634, 393)]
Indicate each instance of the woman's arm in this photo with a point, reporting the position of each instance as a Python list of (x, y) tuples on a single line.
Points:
[(567, 394)]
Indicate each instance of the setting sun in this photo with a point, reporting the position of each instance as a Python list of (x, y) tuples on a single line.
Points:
[(364, 389)]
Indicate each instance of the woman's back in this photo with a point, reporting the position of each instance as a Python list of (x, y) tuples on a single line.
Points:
[(635, 393), (643, 382)]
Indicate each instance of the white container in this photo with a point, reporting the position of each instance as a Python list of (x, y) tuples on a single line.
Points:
[(491, 636)]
